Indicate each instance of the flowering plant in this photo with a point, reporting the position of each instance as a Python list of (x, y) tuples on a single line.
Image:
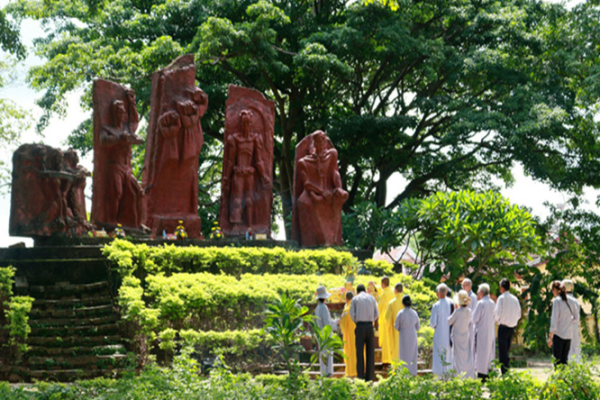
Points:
[(216, 232), (180, 231), (119, 232)]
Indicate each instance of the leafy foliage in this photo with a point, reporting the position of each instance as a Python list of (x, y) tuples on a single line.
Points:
[(17, 317), (446, 94), (129, 258)]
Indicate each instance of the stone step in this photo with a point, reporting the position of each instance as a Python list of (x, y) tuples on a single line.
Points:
[(41, 351), (84, 312), (105, 329), (71, 362), (72, 302), (64, 322), (70, 375), (73, 341), (65, 289)]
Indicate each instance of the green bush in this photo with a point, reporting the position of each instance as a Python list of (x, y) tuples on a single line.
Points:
[(571, 382), (514, 385), (17, 317), (140, 259)]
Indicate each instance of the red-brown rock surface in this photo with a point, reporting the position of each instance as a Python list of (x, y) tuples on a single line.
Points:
[(246, 186), (173, 145), (116, 193), (318, 196)]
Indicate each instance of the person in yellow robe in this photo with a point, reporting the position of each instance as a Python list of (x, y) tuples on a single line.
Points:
[(385, 341), (374, 291), (348, 326), (394, 307)]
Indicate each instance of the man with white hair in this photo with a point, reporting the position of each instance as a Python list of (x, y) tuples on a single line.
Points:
[(575, 349), (467, 286), (442, 352), (484, 347)]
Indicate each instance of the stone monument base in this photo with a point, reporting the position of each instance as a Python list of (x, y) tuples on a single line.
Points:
[(169, 223)]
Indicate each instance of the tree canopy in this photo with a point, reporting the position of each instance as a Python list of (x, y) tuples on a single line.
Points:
[(446, 93)]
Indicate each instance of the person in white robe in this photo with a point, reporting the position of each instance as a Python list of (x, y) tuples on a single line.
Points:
[(467, 286), (575, 349), (484, 347), (324, 318), (462, 329), (407, 324), (442, 353)]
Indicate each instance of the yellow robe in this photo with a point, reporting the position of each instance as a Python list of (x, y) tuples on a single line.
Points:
[(385, 341), (394, 307), (348, 326)]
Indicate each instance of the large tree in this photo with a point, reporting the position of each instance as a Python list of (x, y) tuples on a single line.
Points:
[(447, 93)]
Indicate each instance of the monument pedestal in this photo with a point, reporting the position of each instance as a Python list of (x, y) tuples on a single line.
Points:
[(169, 223)]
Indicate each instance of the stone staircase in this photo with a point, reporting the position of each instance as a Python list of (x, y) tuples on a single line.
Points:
[(74, 332)]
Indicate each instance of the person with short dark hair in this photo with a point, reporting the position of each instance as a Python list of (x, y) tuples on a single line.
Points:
[(364, 312), (407, 324), (561, 323), (508, 313)]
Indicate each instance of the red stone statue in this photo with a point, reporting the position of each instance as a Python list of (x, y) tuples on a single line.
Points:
[(172, 148), (116, 193), (318, 196), (246, 186), (43, 179)]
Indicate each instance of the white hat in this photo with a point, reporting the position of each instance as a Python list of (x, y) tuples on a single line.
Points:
[(322, 293), (463, 298), (569, 286)]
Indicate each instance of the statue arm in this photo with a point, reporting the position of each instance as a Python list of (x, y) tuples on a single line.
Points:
[(109, 139), (134, 118), (337, 179), (260, 166), (229, 160)]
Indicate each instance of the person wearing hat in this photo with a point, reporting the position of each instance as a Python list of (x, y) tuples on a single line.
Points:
[(385, 337), (442, 352), (393, 308), (407, 324), (460, 321), (324, 318), (575, 349), (364, 313), (508, 313)]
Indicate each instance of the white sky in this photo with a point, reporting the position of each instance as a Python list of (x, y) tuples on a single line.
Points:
[(525, 192)]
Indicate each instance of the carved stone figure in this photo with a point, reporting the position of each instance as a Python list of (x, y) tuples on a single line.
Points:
[(174, 141), (318, 196), (116, 193), (246, 186), (43, 179)]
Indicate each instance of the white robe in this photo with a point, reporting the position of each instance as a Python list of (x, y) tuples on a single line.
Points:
[(442, 352), (484, 348), (462, 354), (575, 350), (324, 318), (407, 324)]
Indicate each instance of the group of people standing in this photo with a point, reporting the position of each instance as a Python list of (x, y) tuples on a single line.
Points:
[(464, 340)]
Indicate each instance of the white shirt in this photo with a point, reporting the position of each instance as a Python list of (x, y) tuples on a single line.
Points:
[(364, 308), (508, 310), (563, 318)]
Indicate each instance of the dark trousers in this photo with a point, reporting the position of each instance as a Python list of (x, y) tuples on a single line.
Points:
[(505, 335), (365, 336), (483, 377), (560, 349)]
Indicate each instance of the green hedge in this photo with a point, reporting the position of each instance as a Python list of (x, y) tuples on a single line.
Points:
[(575, 382), (140, 259)]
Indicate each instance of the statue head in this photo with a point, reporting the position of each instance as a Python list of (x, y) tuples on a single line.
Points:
[(56, 160), (320, 141), (119, 112), (246, 119), (71, 158)]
